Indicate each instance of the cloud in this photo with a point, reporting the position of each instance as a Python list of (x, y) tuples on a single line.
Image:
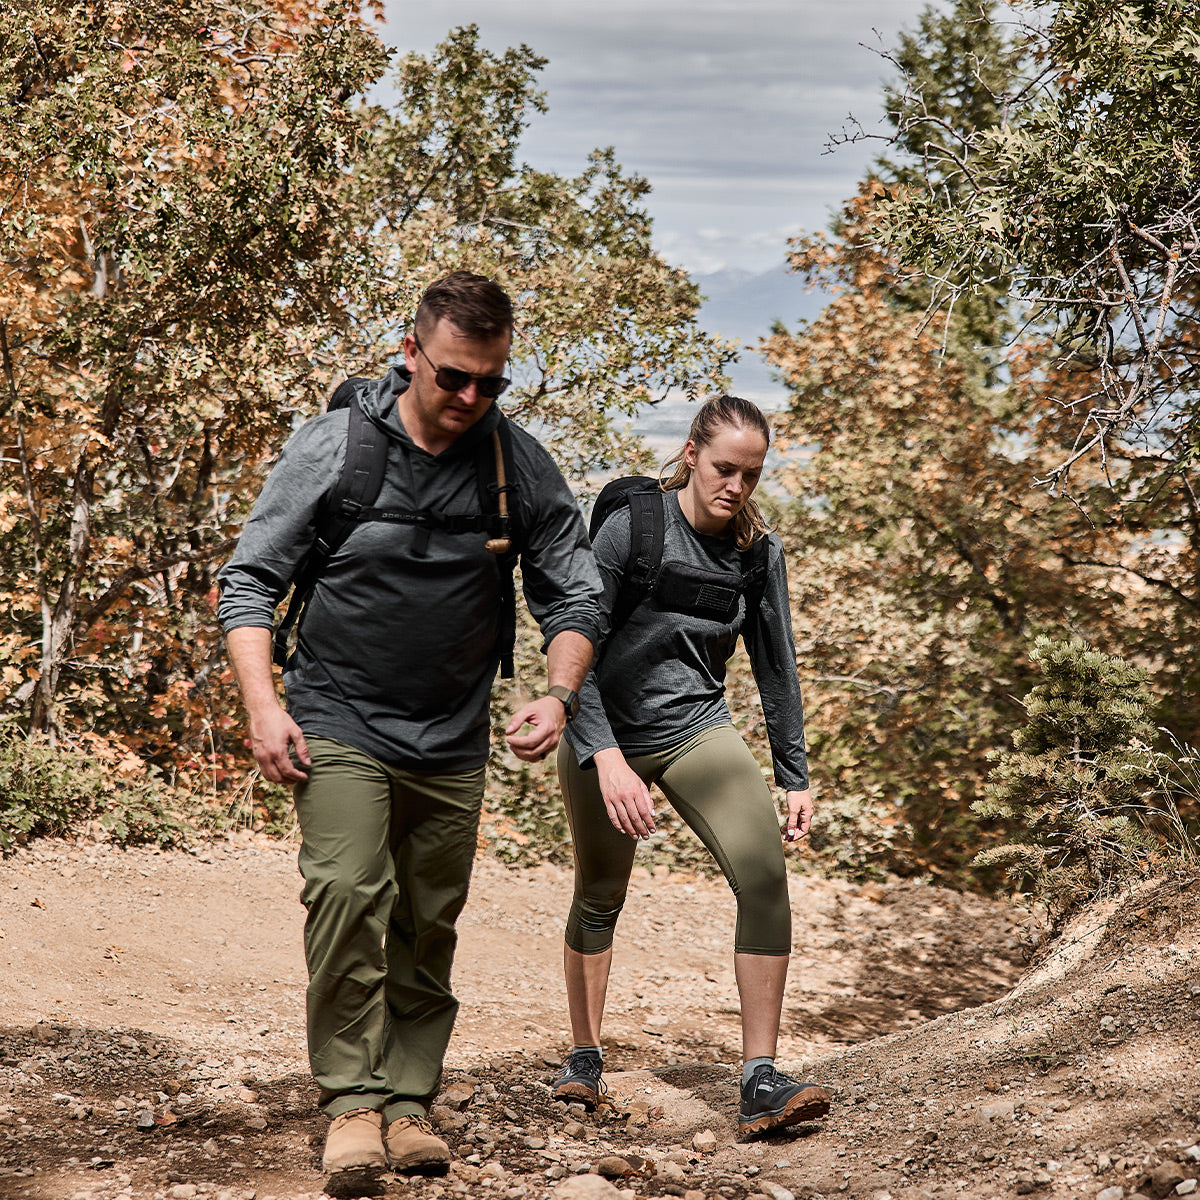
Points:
[(712, 248), (725, 107)]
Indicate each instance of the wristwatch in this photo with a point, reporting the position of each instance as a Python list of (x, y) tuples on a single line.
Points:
[(570, 699)]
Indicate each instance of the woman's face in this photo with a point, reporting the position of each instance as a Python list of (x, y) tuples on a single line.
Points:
[(724, 476)]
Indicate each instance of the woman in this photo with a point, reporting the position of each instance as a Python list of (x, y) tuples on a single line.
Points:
[(653, 712)]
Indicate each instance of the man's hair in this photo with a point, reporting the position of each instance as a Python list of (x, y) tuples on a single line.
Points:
[(477, 306)]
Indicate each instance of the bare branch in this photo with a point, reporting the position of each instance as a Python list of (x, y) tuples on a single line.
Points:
[(138, 572)]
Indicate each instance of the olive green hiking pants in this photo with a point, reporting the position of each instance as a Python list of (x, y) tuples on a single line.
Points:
[(386, 860)]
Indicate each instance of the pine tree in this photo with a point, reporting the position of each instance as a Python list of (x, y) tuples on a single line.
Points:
[(1078, 778)]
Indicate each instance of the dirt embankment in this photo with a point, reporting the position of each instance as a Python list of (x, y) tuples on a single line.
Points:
[(151, 1040)]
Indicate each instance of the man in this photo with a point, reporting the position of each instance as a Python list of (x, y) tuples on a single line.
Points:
[(386, 732)]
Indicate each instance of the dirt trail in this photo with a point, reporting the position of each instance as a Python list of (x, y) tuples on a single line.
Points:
[(166, 991)]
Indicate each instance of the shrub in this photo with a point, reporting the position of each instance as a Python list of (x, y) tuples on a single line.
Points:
[(62, 791), (1080, 781)]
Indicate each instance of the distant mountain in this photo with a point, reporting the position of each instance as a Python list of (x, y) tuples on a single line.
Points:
[(720, 283), (744, 305), (740, 304)]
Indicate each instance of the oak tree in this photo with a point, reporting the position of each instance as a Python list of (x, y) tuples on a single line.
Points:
[(203, 227)]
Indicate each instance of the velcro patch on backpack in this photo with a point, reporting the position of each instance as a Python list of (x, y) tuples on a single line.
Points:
[(687, 589)]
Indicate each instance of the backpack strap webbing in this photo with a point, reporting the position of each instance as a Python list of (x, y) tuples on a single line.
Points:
[(755, 561), (498, 519), (362, 472), (505, 541), (356, 487), (647, 531), (351, 502), (754, 570), (493, 473)]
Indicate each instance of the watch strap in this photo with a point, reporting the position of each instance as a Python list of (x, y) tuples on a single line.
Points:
[(568, 699)]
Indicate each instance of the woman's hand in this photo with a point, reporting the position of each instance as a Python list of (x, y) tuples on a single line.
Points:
[(626, 797), (800, 811)]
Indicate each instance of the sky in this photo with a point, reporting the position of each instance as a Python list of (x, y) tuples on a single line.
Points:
[(725, 106)]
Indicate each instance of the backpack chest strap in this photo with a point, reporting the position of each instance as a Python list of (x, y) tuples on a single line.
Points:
[(428, 518)]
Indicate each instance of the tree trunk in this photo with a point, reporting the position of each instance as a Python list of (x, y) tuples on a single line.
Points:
[(58, 629)]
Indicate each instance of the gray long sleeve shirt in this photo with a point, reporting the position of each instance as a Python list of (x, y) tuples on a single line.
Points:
[(661, 676), (397, 650)]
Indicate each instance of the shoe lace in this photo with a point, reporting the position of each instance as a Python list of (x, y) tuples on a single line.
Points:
[(770, 1077), (421, 1123), (585, 1064), (359, 1114)]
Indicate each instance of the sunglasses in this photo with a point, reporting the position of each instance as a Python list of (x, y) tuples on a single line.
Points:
[(451, 379)]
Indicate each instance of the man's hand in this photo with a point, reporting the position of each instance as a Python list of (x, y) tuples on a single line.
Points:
[(626, 797), (567, 659), (547, 719), (272, 732), (272, 735), (800, 811)]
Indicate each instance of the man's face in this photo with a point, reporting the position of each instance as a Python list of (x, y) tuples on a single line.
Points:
[(434, 417)]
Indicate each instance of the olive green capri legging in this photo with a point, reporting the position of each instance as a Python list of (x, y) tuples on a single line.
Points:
[(713, 782)]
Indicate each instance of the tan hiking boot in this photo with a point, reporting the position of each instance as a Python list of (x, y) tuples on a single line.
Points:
[(414, 1149), (355, 1143)]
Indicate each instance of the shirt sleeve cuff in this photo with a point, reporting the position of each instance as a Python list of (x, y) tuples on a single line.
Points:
[(585, 628)]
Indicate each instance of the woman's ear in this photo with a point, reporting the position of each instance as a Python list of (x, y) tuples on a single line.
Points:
[(689, 453)]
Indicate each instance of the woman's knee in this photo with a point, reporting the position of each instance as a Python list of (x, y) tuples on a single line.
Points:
[(764, 912), (593, 921)]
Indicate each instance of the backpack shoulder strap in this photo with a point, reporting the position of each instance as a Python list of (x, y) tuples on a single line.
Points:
[(363, 465), (755, 565), (356, 488), (496, 482), (755, 560), (647, 531)]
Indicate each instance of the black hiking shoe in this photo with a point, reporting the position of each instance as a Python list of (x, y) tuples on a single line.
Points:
[(771, 1100), (580, 1081)]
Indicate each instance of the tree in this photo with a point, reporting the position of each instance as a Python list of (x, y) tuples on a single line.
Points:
[(1080, 778), (938, 388), (925, 562), (1081, 188), (953, 73), (1072, 189), (205, 228), (173, 191)]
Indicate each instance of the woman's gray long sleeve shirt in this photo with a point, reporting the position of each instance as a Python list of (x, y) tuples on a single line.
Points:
[(660, 676)]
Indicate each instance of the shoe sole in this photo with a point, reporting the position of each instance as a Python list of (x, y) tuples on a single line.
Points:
[(807, 1105), (577, 1093), (354, 1181), (409, 1165)]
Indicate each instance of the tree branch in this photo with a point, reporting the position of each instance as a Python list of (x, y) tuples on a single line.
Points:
[(134, 574)]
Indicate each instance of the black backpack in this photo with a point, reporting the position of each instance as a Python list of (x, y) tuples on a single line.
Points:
[(677, 587), (357, 488)]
